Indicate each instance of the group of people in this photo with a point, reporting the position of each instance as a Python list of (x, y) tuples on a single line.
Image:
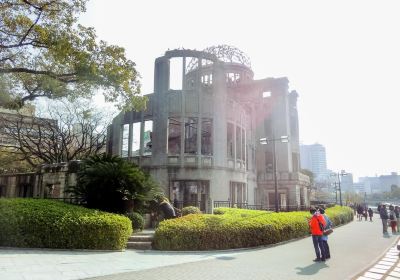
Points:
[(391, 219), (319, 224), (364, 212)]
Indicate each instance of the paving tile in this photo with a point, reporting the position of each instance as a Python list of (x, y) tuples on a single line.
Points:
[(364, 278), (381, 266), (386, 263), (395, 274), (391, 278), (373, 275), (388, 260), (11, 276), (378, 270), (392, 257), (397, 269)]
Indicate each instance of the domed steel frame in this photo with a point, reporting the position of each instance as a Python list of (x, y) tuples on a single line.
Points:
[(224, 53)]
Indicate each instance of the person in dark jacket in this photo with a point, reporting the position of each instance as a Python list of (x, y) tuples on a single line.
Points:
[(397, 213), (384, 216), (370, 214), (328, 225), (166, 208)]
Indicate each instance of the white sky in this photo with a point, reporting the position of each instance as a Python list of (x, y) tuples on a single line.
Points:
[(342, 57)]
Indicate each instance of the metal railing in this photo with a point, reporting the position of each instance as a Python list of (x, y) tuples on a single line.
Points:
[(196, 203), (286, 208)]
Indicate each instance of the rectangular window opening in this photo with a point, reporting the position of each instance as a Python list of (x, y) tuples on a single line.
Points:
[(174, 136), (229, 139), (191, 135), (148, 137), (125, 137), (206, 137), (238, 143), (136, 139), (175, 73)]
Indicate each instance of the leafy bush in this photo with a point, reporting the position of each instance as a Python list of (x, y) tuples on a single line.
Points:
[(137, 220), (237, 228), (41, 223), (340, 215), (104, 182), (190, 210)]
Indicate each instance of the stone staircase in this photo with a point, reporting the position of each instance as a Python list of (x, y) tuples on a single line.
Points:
[(141, 240)]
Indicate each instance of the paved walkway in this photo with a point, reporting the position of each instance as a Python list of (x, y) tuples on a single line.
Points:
[(387, 268), (354, 248)]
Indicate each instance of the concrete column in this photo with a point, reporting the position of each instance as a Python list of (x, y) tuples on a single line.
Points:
[(219, 117), (160, 131), (281, 125)]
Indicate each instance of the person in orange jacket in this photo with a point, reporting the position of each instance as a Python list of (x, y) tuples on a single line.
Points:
[(317, 224)]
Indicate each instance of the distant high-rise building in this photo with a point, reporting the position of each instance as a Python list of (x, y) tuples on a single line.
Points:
[(382, 183), (347, 182), (313, 158)]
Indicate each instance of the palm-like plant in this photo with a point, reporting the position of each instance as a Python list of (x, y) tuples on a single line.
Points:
[(105, 182)]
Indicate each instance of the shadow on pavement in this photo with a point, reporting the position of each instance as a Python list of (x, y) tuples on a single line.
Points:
[(311, 269)]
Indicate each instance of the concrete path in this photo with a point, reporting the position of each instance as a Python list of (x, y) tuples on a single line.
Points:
[(387, 268), (354, 248)]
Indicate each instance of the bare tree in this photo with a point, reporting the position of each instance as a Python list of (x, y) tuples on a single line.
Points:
[(67, 131)]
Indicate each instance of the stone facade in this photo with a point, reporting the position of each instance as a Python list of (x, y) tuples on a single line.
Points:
[(50, 181), (200, 141)]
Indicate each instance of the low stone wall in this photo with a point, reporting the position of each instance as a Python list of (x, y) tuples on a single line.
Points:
[(50, 181)]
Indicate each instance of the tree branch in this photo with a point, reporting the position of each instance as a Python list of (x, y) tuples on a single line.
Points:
[(30, 28), (65, 78)]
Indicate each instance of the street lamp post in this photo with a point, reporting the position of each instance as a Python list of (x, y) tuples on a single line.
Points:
[(265, 141), (338, 174), (336, 189)]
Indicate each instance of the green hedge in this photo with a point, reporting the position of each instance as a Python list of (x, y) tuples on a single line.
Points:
[(190, 210), (137, 220), (39, 223), (238, 228)]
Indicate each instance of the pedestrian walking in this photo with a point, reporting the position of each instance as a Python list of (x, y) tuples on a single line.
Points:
[(317, 224), (397, 213), (328, 225), (370, 214), (384, 216), (365, 213), (393, 220), (359, 212)]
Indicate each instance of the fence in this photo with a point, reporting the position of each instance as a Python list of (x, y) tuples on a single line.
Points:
[(284, 208)]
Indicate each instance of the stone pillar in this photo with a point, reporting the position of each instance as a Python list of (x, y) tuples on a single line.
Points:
[(281, 124), (219, 118), (160, 131)]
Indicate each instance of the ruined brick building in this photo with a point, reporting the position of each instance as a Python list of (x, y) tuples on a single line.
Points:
[(200, 137)]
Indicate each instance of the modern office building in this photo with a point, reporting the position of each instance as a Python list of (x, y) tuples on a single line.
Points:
[(382, 183), (347, 182), (313, 158), (199, 136)]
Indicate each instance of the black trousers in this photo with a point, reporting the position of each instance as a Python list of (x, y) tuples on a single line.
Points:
[(326, 248), (319, 246)]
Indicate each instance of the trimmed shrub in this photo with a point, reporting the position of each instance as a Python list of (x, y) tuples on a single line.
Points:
[(340, 215), (41, 223), (237, 228), (190, 210), (137, 220)]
